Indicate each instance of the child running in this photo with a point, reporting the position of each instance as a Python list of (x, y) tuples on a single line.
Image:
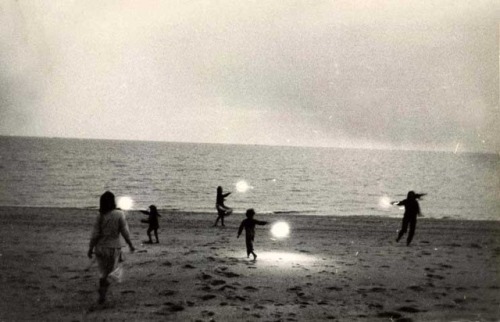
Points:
[(249, 225), (412, 210)]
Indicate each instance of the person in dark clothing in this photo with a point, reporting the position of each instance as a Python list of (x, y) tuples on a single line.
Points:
[(222, 210), (249, 225), (412, 210), (152, 221)]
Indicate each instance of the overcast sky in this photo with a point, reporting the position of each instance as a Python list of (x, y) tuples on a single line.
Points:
[(396, 74)]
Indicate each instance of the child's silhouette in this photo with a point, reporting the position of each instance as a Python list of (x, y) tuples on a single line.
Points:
[(412, 210), (152, 221), (249, 225), (222, 210)]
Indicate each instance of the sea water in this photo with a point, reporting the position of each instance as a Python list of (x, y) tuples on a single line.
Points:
[(54, 172)]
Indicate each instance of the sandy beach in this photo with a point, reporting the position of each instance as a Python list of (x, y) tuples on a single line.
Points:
[(329, 268)]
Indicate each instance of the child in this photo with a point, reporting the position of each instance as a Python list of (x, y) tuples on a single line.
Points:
[(222, 210), (249, 225), (152, 221), (412, 210)]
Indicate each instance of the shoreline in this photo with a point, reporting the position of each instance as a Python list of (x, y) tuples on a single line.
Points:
[(294, 213), (328, 269)]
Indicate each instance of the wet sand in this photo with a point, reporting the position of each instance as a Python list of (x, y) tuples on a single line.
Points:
[(329, 268)]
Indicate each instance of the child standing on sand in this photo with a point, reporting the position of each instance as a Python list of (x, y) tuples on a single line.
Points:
[(412, 210), (249, 225), (153, 222)]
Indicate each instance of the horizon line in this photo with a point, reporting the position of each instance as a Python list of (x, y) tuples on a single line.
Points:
[(350, 147)]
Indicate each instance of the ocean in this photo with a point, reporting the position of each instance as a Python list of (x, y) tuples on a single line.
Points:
[(73, 173)]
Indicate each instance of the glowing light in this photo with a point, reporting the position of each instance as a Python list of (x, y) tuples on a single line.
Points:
[(242, 186), (125, 203), (283, 258), (280, 229), (384, 202)]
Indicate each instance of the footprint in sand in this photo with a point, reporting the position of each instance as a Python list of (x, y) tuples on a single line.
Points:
[(146, 262), (295, 288), (445, 266), (223, 271), (207, 313), (409, 309), (206, 288), (167, 293), (334, 288), (250, 289), (225, 287), (205, 276), (438, 277), (217, 282), (173, 307), (377, 290)]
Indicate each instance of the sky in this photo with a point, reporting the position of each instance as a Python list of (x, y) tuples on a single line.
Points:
[(362, 74)]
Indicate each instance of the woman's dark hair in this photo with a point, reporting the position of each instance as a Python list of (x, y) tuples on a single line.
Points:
[(219, 190), (411, 195), (107, 202), (154, 210)]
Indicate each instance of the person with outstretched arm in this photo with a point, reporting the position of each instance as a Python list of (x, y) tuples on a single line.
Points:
[(222, 210), (153, 222), (249, 225), (412, 210)]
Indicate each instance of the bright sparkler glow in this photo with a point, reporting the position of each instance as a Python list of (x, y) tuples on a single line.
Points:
[(384, 202), (125, 203), (242, 186), (280, 229)]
